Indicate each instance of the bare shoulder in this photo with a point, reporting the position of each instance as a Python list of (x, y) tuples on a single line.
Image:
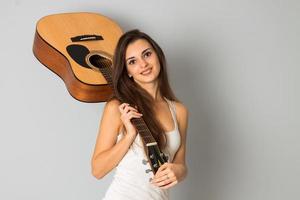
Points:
[(109, 127), (112, 105), (181, 110), (111, 113), (181, 115)]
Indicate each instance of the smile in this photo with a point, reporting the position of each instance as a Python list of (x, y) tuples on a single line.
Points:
[(148, 71)]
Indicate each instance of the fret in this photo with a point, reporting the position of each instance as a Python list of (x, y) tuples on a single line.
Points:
[(141, 126)]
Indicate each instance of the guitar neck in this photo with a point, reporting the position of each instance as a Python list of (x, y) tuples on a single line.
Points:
[(139, 123)]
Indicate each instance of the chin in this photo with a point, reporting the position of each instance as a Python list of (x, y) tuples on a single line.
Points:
[(147, 80)]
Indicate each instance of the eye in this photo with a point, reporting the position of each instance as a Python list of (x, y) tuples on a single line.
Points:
[(147, 54), (131, 62)]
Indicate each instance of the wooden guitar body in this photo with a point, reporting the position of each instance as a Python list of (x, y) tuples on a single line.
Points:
[(65, 44)]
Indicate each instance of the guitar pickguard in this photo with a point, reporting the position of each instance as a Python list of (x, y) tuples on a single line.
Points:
[(78, 53)]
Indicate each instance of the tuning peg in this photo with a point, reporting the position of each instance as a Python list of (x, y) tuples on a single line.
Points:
[(145, 162), (167, 158), (148, 170)]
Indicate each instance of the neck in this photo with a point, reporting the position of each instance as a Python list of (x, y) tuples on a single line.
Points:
[(152, 89)]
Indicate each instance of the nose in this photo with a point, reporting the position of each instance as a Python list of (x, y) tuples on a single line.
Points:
[(143, 63)]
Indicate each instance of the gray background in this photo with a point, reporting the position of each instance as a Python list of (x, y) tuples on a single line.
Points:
[(232, 62)]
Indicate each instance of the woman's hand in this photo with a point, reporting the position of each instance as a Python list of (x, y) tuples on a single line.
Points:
[(168, 175), (127, 113)]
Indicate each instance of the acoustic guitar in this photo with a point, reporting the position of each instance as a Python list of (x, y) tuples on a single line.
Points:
[(78, 47)]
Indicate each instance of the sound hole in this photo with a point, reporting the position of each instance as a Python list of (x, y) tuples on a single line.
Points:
[(100, 61)]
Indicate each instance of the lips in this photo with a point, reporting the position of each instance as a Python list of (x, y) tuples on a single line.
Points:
[(147, 71)]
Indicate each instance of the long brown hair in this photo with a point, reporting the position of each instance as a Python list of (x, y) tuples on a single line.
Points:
[(126, 88)]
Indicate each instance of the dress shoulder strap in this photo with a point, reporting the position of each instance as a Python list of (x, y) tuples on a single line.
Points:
[(172, 109)]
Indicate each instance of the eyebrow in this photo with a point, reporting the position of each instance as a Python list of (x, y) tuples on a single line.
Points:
[(142, 53)]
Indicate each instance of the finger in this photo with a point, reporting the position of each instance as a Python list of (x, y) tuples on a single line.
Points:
[(122, 106), (161, 168), (129, 108), (169, 185), (134, 115), (162, 175), (164, 182), (126, 109), (132, 111), (170, 177)]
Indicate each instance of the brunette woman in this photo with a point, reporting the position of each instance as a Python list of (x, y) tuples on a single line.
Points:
[(140, 78)]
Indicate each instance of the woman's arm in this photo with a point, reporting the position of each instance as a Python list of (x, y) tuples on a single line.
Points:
[(182, 117), (169, 174), (108, 153)]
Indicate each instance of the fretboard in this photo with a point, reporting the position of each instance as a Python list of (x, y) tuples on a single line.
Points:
[(139, 123)]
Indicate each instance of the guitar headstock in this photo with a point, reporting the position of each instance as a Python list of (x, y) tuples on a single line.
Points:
[(156, 157)]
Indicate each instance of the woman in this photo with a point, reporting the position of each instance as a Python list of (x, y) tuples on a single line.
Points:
[(140, 79)]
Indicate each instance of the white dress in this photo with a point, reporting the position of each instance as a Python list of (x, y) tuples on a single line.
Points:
[(131, 180)]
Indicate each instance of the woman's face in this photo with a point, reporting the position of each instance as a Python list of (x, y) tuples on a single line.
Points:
[(142, 62)]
